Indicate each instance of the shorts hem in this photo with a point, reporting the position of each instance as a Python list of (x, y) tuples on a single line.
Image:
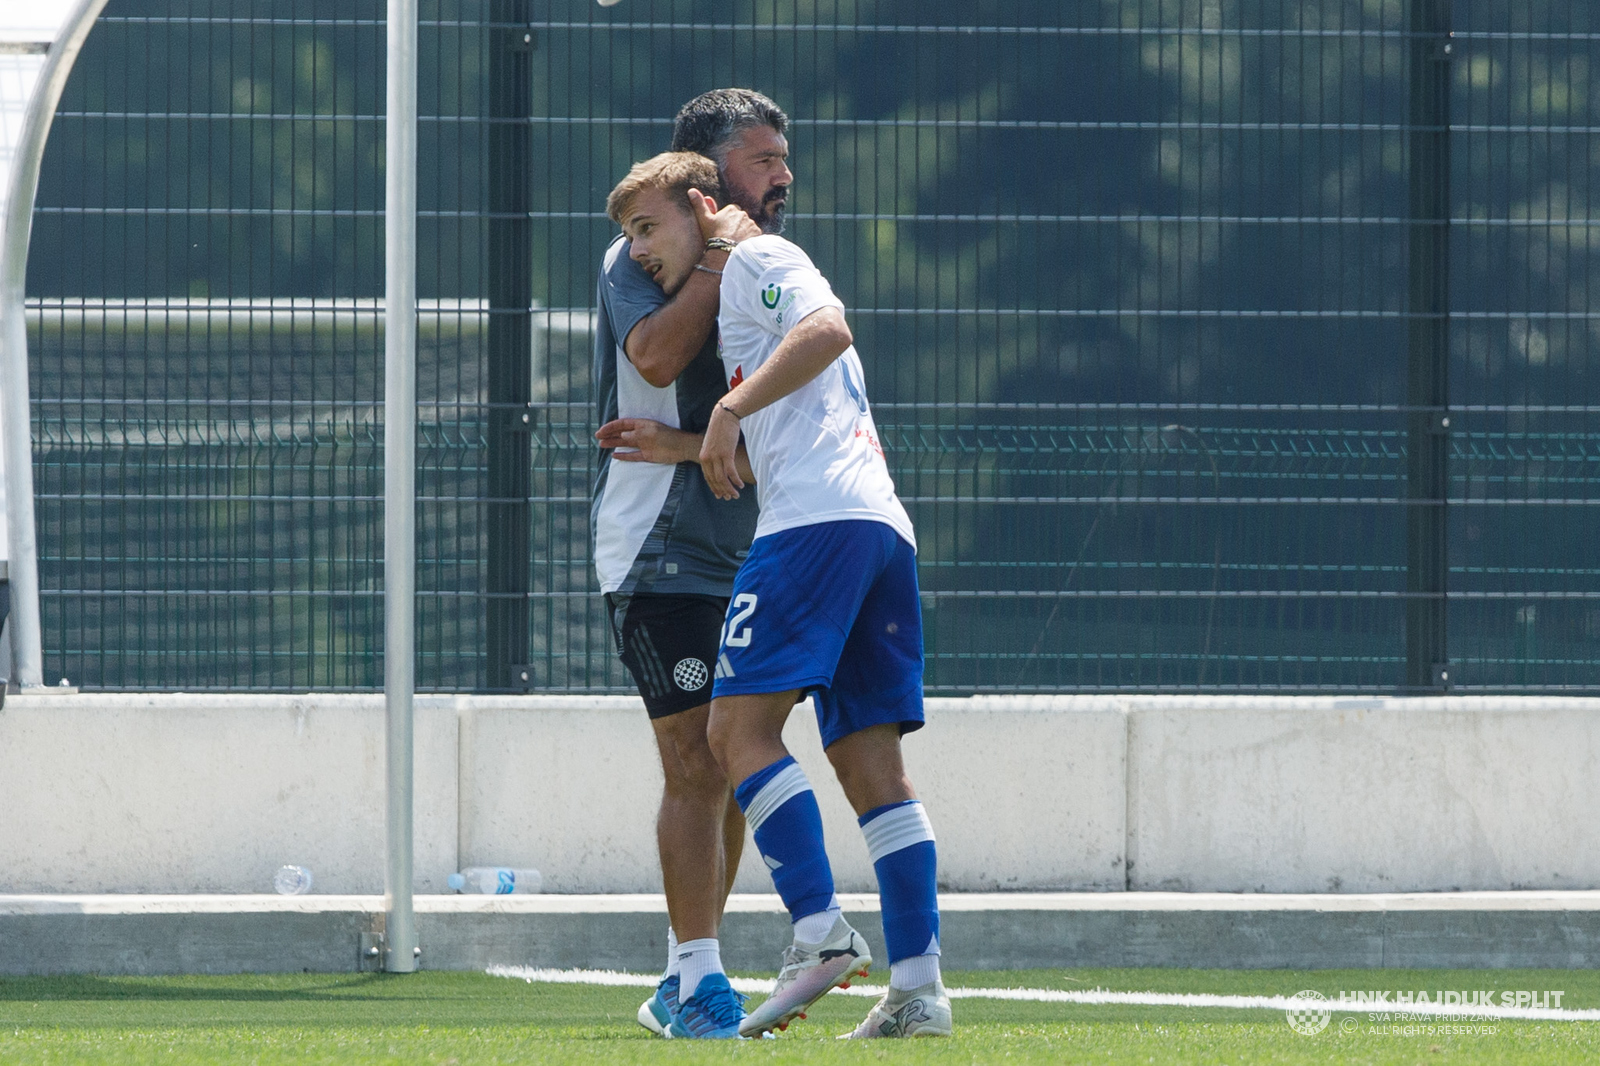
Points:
[(903, 708), (770, 688), (907, 725), (670, 708)]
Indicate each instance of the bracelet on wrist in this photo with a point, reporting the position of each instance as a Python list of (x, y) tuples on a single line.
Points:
[(737, 417), (720, 244), (708, 270)]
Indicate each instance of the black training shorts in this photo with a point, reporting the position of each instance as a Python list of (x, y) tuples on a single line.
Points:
[(669, 645)]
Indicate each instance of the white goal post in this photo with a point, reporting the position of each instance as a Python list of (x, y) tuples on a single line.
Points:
[(43, 41), (42, 45)]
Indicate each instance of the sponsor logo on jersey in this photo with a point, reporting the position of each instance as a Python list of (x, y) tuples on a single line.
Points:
[(873, 441), (771, 295), (783, 308), (738, 376)]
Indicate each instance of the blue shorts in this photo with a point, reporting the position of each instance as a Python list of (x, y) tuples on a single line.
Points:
[(832, 610)]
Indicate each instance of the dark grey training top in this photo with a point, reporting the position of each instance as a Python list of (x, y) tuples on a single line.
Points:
[(657, 528)]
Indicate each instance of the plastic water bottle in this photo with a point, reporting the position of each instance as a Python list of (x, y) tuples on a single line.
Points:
[(495, 880), (292, 880)]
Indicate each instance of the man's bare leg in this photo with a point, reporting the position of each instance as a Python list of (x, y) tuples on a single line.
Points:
[(700, 830), (746, 732), (870, 768), (700, 836), (733, 833)]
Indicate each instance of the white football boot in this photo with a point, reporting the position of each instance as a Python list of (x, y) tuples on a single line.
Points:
[(809, 972), (921, 1011)]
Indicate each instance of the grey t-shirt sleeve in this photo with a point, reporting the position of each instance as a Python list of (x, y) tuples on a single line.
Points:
[(628, 292)]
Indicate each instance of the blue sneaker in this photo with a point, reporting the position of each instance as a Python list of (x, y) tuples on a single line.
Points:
[(658, 1012), (712, 1013)]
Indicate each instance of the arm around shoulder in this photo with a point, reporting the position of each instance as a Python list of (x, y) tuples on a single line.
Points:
[(664, 342)]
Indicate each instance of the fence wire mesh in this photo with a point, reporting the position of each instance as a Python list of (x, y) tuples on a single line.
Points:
[(1162, 309)]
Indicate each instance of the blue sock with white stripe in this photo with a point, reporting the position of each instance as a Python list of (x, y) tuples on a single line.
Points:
[(901, 843), (787, 825)]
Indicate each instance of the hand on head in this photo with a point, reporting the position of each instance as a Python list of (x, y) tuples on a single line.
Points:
[(731, 221)]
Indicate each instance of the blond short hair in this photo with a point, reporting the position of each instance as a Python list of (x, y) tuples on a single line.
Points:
[(675, 173)]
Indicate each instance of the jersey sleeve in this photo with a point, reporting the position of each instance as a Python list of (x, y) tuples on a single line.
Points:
[(626, 292), (786, 287)]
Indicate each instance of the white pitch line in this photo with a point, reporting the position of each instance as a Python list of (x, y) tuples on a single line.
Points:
[(1095, 997), (747, 985)]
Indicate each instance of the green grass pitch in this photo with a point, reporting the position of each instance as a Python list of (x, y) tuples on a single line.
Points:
[(462, 1019)]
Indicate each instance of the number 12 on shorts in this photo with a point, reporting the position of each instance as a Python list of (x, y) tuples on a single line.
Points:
[(743, 606)]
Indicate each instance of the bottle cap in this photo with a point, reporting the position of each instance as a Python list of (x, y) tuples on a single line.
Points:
[(456, 881)]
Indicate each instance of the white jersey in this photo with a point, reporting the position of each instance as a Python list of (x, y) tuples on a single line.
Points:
[(815, 452)]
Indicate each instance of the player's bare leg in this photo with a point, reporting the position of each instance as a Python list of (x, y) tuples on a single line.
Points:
[(700, 836), (698, 826), (734, 829), (870, 768), (745, 733), (747, 736)]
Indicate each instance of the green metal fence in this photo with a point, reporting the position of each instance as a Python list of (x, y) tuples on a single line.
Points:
[(1220, 346)]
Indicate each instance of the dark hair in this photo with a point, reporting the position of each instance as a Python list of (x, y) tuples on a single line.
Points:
[(706, 123)]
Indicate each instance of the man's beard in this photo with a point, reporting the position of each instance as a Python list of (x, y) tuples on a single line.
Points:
[(771, 216)]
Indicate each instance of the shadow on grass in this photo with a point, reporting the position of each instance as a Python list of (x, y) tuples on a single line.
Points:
[(251, 988)]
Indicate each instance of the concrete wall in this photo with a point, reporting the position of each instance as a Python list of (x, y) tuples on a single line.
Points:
[(1374, 795), (547, 779), (123, 793), (184, 793)]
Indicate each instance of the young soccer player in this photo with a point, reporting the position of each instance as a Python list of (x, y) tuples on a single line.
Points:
[(825, 604)]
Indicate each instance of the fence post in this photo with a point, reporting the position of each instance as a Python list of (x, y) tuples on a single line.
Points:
[(1428, 375), (510, 346)]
